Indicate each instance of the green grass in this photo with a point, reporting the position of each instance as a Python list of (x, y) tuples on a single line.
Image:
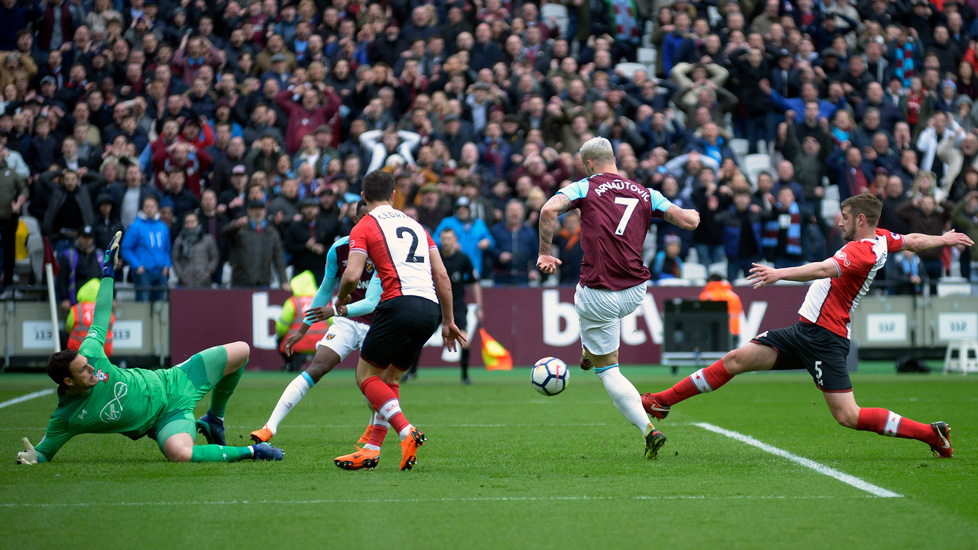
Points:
[(505, 467)]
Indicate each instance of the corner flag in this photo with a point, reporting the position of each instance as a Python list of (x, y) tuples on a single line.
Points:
[(495, 356)]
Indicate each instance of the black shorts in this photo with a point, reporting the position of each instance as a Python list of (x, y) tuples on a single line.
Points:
[(461, 316), (399, 330), (818, 350)]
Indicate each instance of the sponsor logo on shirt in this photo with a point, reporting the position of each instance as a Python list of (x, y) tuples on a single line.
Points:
[(112, 410), (841, 256)]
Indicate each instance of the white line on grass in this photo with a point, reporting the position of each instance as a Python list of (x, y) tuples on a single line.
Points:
[(808, 463), (27, 397), (405, 500)]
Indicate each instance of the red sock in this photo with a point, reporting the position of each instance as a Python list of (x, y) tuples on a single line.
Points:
[(886, 422), (396, 388), (383, 400), (377, 435), (701, 381)]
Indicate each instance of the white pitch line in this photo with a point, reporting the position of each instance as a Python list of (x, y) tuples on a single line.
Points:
[(808, 463), (27, 397), (409, 500)]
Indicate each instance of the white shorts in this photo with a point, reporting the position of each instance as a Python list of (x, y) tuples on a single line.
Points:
[(344, 337), (601, 312)]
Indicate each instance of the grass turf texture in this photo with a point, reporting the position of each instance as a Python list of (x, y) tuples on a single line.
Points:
[(505, 467)]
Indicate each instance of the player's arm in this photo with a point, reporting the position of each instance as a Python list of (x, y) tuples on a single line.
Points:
[(369, 302), (93, 346), (355, 263), (915, 242), (761, 275), (557, 205), (54, 438), (320, 309), (685, 218)]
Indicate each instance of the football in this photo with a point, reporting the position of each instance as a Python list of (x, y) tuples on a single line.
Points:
[(550, 376)]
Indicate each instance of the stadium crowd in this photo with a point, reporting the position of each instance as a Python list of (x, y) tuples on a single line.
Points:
[(239, 132)]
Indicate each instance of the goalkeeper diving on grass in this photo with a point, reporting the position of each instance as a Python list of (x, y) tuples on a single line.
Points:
[(95, 396)]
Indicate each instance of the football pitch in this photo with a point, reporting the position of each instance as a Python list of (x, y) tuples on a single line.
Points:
[(757, 464)]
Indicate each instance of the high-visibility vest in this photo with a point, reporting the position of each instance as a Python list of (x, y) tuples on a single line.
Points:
[(84, 313), (720, 291), (315, 333)]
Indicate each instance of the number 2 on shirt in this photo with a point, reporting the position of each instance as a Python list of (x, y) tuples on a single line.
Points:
[(630, 204), (411, 257)]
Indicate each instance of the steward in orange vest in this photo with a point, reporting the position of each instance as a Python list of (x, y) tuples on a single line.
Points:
[(294, 311), (80, 318), (719, 290)]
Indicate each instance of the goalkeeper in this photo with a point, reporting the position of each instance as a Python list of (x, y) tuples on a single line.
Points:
[(95, 396)]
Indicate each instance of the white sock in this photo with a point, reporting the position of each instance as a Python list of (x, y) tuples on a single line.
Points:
[(377, 420), (405, 432), (294, 393), (625, 396)]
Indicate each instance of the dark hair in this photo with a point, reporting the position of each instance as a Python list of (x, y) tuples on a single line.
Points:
[(866, 204), (378, 186), (57, 367)]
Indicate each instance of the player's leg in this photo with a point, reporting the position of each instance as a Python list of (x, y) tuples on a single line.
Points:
[(884, 422), (600, 314), (747, 358), (176, 440), (222, 368), (461, 321), (340, 340)]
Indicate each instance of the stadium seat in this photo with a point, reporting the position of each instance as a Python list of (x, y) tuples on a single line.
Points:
[(831, 193), (829, 209), (755, 164), (647, 34), (559, 11), (628, 69), (672, 282), (740, 146), (695, 273), (953, 286), (718, 267), (958, 357), (647, 56)]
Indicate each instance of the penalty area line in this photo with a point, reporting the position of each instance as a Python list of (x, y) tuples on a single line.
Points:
[(27, 397), (808, 463)]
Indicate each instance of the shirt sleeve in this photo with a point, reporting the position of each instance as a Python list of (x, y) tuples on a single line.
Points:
[(576, 191), (431, 242), (358, 239), (94, 345), (54, 438), (659, 202), (894, 241), (369, 301), (854, 258)]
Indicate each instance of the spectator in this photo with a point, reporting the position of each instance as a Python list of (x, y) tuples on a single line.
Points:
[(307, 240), (567, 243), (924, 215), (667, 264), (69, 209), (907, 273), (146, 248), (79, 264), (107, 223), (965, 216), (256, 250), (472, 233), (194, 256), (13, 194), (516, 247), (784, 228), (304, 108), (741, 234)]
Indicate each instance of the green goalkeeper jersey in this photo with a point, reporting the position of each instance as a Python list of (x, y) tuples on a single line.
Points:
[(126, 401)]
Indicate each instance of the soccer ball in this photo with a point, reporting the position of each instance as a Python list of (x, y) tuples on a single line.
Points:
[(549, 376)]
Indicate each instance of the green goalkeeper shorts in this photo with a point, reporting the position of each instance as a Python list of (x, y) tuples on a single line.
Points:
[(187, 383)]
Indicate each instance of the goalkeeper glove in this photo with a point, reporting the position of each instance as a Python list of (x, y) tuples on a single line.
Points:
[(28, 456), (111, 260)]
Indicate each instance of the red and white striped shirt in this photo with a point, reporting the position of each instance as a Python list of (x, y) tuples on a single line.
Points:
[(830, 302), (400, 249)]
